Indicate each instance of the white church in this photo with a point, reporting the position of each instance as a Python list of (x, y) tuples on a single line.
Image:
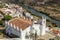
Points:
[(22, 26)]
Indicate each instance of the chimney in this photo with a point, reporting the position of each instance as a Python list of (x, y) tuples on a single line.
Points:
[(11, 24), (14, 27), (17, 28)]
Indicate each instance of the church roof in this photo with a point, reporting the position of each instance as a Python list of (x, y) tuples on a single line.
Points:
[(21, 23)]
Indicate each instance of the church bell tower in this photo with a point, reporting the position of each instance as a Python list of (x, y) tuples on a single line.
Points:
[(43, 27)]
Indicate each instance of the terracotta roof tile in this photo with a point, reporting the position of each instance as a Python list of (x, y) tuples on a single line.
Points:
[(55, 31), (21, 23)]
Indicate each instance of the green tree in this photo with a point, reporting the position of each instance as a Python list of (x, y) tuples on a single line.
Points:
[(7, 17), (1, 5), (1, 22)]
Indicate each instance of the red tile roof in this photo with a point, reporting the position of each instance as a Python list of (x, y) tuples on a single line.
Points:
[(55, 31), (21, 23)]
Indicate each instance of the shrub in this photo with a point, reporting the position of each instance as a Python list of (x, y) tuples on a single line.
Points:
[(1, 5), (1, 22), (7, 17)]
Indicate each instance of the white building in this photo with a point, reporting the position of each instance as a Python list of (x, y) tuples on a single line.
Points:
[(14, 11), (22, 27)]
